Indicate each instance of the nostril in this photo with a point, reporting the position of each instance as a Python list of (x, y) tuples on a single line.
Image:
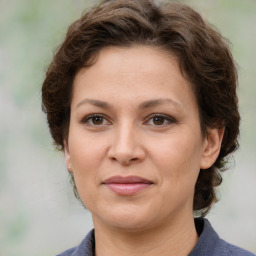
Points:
[(113, 158), (124, 161)]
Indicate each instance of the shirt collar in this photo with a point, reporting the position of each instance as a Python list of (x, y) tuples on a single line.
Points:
[(206, 243)]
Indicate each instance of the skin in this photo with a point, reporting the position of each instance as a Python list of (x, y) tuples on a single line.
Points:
[(126, 88)]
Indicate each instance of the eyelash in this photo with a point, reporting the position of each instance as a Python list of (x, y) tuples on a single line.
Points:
[(166, 118), (86, 119)]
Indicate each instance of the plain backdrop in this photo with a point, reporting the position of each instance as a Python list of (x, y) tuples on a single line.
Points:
[(38, 213)]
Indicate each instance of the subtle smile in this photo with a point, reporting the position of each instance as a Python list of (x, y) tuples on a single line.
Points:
[(127, 186)]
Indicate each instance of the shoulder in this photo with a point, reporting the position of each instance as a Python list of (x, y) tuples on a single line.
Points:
[(210, 244), (85, 248), (233, 250), (69, 252)]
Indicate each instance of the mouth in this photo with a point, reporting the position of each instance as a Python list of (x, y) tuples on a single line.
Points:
[(127, 186)]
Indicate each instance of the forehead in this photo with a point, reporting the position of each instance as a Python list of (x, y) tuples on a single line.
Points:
[(135, 73), (136, 59)]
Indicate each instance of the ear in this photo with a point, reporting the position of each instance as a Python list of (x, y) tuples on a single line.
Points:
[(67, 156), (212, 145)]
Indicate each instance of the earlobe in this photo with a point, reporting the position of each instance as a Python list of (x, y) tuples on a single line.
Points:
[(212, 147), (67, 157)]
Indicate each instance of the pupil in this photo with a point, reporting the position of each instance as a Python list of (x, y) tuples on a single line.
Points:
[(158, 120), (97, 120)]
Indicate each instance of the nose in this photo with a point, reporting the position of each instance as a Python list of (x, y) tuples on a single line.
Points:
[(126, 147)]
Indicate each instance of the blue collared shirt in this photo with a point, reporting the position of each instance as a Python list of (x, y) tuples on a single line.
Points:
[(208, 244)]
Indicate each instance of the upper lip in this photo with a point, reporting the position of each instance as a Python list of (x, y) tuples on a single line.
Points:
[(126, 180)]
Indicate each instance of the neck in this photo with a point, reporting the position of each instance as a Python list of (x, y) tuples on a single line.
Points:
[(176, 239)]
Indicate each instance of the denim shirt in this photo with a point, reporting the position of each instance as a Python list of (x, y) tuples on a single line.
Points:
[(208, 244)]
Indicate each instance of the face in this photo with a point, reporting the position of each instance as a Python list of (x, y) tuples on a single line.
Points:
[(135, 146)]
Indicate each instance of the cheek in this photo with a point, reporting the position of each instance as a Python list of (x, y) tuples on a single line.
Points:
[(86, 150), (179, 160), (86, 157), (85, 174), (179, 168)]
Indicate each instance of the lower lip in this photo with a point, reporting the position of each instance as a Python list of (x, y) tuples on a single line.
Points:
[(127, 189)]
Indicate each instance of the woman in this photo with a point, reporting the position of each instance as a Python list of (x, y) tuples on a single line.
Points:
[(141, 97)]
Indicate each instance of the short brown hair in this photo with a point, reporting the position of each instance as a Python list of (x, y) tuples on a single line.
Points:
[(204, 58)]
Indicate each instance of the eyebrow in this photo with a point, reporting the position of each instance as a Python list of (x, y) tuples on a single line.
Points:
[(156, 102), (143, 105), (97, 103)]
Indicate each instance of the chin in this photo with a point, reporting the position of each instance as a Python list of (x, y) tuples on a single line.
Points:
[(129, 218), (131, 224)]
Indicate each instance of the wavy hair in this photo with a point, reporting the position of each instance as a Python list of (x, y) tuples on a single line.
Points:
[(204, 58)]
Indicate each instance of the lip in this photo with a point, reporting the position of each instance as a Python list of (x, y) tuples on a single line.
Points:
[(127, 186)]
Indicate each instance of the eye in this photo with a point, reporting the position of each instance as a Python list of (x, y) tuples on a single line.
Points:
[(160, 120), (95, 120)]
